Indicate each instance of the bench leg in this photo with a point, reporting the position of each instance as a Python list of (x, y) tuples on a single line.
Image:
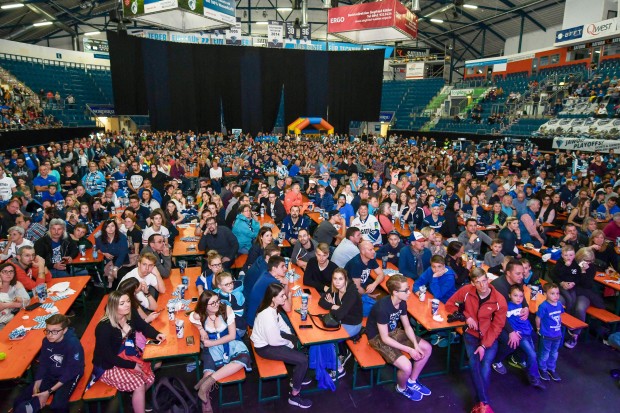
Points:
[(462, 365), (356, 371), (233, 402), (380, 372), (262, 398)]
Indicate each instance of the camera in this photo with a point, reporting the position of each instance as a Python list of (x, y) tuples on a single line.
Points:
[(458, 314)]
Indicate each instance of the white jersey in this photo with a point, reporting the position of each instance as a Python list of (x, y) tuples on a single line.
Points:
[(6, 188), (369, 229)]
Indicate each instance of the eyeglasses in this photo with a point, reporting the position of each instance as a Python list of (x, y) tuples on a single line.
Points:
[(7, 272), (216, 264), (230, 284), (214, 303), (52, 332), (408, 290)]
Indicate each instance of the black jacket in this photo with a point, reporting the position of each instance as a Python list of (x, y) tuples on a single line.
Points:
[(350, 311), (224, 242), (279, 211), (43, 248)]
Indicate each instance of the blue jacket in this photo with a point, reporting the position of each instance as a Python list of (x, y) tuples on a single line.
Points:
[(323, 357), (62, 361), (252, 275), (241, 229), (292, 230), (326, 202), (408, 264), (256, 296), (442, 287), (236, 301)]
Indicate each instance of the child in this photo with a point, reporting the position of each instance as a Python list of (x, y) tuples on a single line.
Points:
[(524, 328), (549, 326), (438, 278), (528, 275), (436, 245), (390, 340), (494, 258), (231, 293)]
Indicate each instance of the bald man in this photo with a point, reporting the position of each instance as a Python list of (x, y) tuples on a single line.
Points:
[(359, 268)]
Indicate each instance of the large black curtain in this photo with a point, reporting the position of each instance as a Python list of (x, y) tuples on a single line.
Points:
[(184, 86)]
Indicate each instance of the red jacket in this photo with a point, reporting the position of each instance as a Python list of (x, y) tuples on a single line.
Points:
[(490, 318)]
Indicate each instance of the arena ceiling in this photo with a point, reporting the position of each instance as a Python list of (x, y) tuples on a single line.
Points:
[(475, 32)]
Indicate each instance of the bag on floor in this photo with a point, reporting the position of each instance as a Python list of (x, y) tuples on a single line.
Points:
[(170, 395)]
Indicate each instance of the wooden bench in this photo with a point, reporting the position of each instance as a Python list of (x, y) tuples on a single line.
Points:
[(268, 370), (572, 323), (603, 316), (99, 391), (239, 262), (237, 378)]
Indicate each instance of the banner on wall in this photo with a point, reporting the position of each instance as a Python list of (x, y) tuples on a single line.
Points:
[(275, 34), (415, 70), (588, 145), (99, 48), (305, 35), (290, 35), (233, 35), (461, 92)]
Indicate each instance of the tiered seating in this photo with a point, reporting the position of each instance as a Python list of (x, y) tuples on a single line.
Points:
[(562, 72), (525, 126), (409, 96), (449, 125), (86, 86)]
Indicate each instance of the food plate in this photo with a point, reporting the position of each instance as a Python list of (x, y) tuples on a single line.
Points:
[(59, 287)]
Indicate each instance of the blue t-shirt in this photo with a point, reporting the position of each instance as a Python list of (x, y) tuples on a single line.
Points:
[(384, 312), (514, 318), (435, 224), (550, 319), (603, 210), (47, 181), (347, 213), (357, 269)]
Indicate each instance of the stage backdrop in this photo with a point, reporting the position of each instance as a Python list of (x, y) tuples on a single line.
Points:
[(186, 86)]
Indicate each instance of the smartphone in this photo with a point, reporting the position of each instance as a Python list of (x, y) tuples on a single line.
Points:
[(189, 340), (194, 299), (305, 326), (307, 291), (153, 342), (33, 306)]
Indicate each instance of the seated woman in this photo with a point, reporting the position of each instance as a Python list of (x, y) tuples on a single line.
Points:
[(547, 211), (344, 303), (385, 221), (511, 235), (574, 273), (132, 287), (221, 353), (133, 234), (474, 209), (450, 228), (85, 217), (148, 201), (581, 212), (158, 226), (15, 242), (172, 214), (117, 360), (319, 270), (495, 216), (114, 248), (13, 295), (605, 257), (264, 238), (151, 282), (98, 213), (273, 340), (207, 277), (245, 228)]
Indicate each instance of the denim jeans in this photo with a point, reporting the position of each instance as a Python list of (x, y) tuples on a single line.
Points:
[(527, 345), (548, 353), (352, 329), (480, 370)]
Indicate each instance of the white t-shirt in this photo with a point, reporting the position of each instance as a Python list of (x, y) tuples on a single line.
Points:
[(150, 280), (163, 231), (6, 188), (14, 248), (215, 173)]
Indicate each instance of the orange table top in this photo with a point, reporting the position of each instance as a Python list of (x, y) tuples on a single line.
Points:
[(173, 346), (403, 231), (602, 278), (21, 353), (182, 248), (535, 252), (315, 216), (310, 336)]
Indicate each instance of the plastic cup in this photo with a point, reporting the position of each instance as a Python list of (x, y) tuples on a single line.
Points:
[(179, 325), (434, 306)]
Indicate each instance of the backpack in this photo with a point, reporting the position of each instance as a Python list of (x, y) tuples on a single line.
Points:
[(172, 396)]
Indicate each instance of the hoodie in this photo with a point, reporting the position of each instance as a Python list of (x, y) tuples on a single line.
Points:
[(63, 361), (442, 287)]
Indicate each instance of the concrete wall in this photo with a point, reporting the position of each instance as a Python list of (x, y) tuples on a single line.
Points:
[(51, 53), (531, 41)]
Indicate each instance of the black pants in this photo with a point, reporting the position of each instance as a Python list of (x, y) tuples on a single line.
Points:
[(60, 404), (289, 356)]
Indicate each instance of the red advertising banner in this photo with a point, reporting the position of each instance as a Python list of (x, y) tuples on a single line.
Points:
[(390, 15)]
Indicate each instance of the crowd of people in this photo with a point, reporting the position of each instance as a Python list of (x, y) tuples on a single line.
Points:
[(53, 198), (18, 111)]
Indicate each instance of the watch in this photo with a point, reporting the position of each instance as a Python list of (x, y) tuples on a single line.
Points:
[(51, 391)]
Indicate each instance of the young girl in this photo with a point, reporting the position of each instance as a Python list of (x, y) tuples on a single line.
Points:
[(117, 361), (273, 340), (214, 267), (524, 328), (231, 294), (549, 326), (344, 302), (436, 245), (222, 354)]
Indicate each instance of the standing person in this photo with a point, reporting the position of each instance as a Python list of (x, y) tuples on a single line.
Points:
[(61, 364), (549, 328), (221, 353), (117, 360), (485, 310), (391, 341), (273, 340)]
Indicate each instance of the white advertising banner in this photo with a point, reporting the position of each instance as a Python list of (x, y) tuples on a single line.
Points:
[(415, 70), (275, 34), (588, 145)]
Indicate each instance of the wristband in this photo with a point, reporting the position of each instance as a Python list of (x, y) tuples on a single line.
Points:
[(483, 346), (51, 391)]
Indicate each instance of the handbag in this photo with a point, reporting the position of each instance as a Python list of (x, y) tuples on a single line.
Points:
[(329, 322)]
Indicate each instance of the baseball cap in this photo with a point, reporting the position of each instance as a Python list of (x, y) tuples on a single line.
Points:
[(334, 213), (417, 236)]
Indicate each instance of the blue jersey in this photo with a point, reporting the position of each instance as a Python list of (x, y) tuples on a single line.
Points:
[(550, 319)]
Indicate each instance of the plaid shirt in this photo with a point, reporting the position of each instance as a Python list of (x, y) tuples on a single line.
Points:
[(35, 232)]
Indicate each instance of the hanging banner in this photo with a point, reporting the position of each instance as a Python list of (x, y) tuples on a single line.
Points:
[(415, 70), (290, 32), (304, 35), (275, 34), (461, 92), (588, 145), (233, 35)]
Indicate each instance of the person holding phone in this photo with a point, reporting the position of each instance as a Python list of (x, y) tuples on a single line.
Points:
[(221, 353), (117, 360), (273, 340)]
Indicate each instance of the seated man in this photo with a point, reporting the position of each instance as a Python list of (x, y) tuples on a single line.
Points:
[(221, 239), (472, 238), (359, 268), (438, 278), (415, 257), (157, 245), (304, 249), (391, 341), (276, 273), (61, 364), (391, 250), (56, 249), (257, 269), (30, 269), (293, 223)]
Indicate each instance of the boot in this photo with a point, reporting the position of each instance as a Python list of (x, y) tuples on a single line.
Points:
[(204, 387)]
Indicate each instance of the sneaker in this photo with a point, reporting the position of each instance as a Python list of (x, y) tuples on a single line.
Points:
[(499, 368), (571, 340), (299, 401), (536, 382), (337, 374), (411, 394), (544, 374), (345, 357), (554, 376), (305, 382), (455, 338), (512, 361), (416, 385)]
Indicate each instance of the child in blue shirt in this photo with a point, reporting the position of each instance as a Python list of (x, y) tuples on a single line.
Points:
[(231, 293), (549, 326), (438, 278)]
